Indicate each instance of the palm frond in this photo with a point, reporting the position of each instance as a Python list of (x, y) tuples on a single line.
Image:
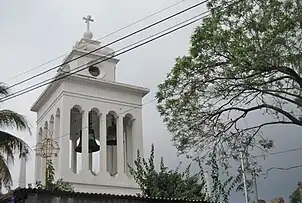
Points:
[(5, 175), (3, 90), (13, 120), (10, 145)]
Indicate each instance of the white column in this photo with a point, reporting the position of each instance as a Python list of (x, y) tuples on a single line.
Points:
[(129, 144), (120, 145), (22, 174), (85, 127), (74, 156), (64, 139), (90, 161), (137, 134), (56, 137), (103, 142), (38, 160)]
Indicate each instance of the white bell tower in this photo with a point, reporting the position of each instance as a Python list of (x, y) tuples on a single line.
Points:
[(96, 121)]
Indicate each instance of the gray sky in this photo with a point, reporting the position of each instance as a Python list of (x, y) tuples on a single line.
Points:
[(33, 32)]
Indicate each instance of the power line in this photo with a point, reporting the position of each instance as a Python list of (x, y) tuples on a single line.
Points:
[(105, 36), (279, 152), (113, 42), (279, 168), (59, 77)]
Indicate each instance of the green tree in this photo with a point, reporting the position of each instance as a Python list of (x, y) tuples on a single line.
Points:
[(296, 196), (245, 58), (166, 183), (10, 145), (50, 183)]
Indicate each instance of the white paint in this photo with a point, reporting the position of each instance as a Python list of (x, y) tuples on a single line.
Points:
[(86, 92), (22, 174)]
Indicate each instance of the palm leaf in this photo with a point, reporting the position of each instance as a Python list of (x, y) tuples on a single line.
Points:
[(5, 175), (3, 90), (10, 145), (12, 120)]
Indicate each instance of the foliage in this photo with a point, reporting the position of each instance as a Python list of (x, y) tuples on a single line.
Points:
[(245, 59), (296, 196), (10, 145), (50, 183), (166, 183)]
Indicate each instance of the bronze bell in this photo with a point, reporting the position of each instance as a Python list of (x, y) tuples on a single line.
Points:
[(92, 145), (111, 134)]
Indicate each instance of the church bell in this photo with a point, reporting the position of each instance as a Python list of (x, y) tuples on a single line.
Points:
[(111, 133), (92, 145)]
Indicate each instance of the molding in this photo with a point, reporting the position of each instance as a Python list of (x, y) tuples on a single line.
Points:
[(45, 95), (50, 89), (142, 91)]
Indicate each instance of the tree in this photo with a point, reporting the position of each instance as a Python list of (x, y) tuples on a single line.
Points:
[(166, 183), (50, 183), (296, 196), (10, 145), (245, 59)]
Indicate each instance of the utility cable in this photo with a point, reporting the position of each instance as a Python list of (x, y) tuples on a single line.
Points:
[(279, 152), (113, 42), (279, 168), (59, 77), (107, 35)]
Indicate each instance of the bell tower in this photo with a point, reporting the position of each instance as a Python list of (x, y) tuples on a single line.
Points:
[(96, 121)]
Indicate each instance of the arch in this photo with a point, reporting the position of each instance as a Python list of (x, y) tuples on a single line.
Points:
[(95, 110), (128, 141), (77, 108), (51, 126), (51, 118), (40, 132), (113, 113), (45, 125), (128, 119), (75, 130), (58, 112), (129, 115), (111, 145), (94, 125)]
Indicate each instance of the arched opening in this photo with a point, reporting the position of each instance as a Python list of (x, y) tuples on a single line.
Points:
[(51, 126), (45, 130), (75, 159), (57, 123), (128, 142), (94, 141), (111, 144), (39, 159), (56, 136)]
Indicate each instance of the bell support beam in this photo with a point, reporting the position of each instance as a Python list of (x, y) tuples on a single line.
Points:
[(85, 158), (120, 146), (103, 142)]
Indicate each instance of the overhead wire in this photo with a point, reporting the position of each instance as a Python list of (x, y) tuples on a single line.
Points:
[(148, 41), (109, 56), (280, 168), (105, 36), (113, 42), (135, 46)]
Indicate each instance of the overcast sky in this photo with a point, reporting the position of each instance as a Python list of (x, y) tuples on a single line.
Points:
[(34, 31)]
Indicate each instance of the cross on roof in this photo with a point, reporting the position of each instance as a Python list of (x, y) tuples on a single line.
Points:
[(88, 19)]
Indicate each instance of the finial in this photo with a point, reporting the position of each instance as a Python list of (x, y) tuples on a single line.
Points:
[(88, 34)]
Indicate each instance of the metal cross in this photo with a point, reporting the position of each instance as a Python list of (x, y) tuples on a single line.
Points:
[(47, 148), (88, 19)]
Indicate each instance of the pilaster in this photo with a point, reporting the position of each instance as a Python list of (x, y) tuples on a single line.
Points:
[(120, 145), (85, 135), (63, 139), (103, 142)]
